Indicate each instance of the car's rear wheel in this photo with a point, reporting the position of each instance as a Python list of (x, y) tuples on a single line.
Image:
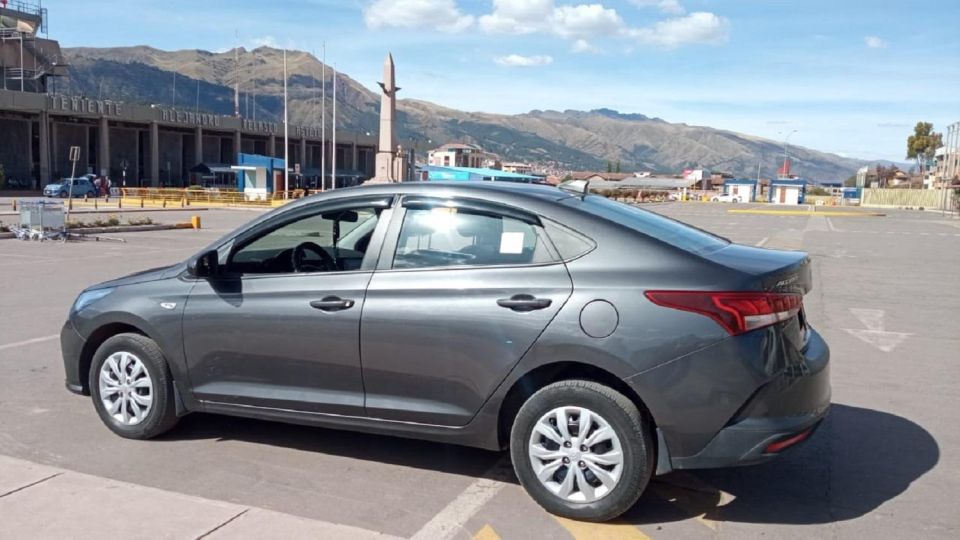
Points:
[(582, 450), (132, 388)]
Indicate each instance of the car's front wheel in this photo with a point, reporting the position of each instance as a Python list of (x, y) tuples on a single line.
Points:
[(582, 450), (132, 388)]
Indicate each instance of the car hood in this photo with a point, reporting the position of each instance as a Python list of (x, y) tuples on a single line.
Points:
[(143, 276), (53, 186)]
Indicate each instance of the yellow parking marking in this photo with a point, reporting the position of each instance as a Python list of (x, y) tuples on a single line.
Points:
[(486, 533), (806, 213), (581, 530)]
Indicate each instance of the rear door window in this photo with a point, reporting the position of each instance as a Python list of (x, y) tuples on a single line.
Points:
[(443, 236)]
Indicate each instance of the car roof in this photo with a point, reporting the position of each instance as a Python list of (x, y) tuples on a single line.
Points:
[(506, 192)]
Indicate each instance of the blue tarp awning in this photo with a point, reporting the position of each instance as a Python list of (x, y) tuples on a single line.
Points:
[(475, 173)]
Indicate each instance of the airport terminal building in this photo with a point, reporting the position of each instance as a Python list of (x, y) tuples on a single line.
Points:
[(136, 144), (150, 145)]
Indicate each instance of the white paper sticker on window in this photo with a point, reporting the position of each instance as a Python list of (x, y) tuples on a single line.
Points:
[(511, 243)]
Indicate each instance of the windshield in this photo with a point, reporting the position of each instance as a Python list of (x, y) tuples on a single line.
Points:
[(662, 228)]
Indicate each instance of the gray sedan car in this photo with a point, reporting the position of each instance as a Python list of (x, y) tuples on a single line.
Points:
[(600, 343)]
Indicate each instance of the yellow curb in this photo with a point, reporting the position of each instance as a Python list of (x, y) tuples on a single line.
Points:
[(159, 203), (824, 213)]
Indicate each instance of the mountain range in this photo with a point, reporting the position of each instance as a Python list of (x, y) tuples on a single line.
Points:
[(560, 140)]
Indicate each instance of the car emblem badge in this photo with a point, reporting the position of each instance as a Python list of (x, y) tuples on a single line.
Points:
[(168, 305)]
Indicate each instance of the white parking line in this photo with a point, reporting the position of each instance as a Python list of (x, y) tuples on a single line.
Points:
[(455, 515), (762, 242), (28, 342)]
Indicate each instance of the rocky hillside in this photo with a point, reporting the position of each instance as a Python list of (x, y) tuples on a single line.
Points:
[(569, 139)]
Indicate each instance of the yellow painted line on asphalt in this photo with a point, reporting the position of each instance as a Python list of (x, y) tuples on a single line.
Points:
[(486, 533), (823, 213), (582, 530)]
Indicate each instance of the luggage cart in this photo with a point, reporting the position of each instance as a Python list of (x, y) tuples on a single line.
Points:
[(41, 220)]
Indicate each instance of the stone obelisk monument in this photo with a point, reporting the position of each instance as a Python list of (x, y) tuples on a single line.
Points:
[(390, 160)]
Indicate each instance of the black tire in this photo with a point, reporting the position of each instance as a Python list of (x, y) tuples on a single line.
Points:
[(163, 412), (625, 419)]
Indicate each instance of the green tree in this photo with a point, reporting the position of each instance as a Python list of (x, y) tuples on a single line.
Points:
[(923, 143), (618, 166), (609, 167), (851, 181)]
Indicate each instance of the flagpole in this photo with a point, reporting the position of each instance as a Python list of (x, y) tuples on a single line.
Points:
[(286, 132), (323, 119), (333, 167)]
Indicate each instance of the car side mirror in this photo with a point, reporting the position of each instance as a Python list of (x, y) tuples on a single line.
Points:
[(204, 265)]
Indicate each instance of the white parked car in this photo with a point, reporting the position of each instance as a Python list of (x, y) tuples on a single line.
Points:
[(727, 198)]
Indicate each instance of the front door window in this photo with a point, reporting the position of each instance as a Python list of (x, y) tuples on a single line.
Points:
[(333, 241)]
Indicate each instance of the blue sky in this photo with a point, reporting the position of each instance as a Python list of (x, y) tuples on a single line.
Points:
[(850, 76)]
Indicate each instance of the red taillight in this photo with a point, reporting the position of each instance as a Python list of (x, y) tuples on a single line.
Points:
[(736, 312), (773, 448)]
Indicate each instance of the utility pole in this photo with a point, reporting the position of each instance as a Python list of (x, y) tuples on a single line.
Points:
[(236, 88), (333, 168), (286, 131), (323, 119), (174, 102), (22, 74)]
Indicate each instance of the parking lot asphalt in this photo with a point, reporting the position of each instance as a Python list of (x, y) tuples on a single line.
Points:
[(884, 464)]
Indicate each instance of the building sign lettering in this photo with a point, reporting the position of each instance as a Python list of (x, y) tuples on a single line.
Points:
[(192, 118), (87, 106), (260, 126)]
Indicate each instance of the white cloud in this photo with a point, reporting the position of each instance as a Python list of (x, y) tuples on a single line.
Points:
[(582, 23), (544, 16), (515, 60), (585, 20), (517, 16), (442, 15), (264, 41), (874, 42), (583, 46), (672, 7), (698, 27)]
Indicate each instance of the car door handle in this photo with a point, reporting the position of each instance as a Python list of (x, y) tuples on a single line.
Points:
[(524, 302), (332, 303)]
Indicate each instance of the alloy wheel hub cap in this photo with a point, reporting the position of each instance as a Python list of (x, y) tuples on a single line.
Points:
[(576, 454), (126, 389)]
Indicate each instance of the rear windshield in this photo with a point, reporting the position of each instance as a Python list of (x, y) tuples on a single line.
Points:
[(662, 228)]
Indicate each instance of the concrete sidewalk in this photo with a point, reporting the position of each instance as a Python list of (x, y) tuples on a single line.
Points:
[(37, 501)]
